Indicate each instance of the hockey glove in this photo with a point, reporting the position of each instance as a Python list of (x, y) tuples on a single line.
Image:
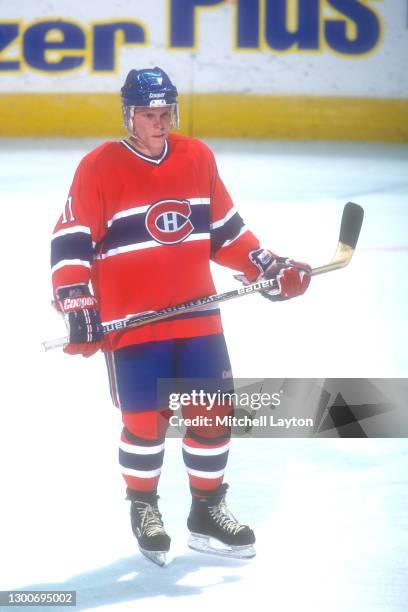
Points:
[(79, 309), (292, 277)]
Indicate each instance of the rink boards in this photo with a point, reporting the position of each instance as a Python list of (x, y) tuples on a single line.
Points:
[(296, 69), (214, 115)]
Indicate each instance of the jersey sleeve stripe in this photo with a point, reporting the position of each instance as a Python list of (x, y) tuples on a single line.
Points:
[(223, 221), (77, 245), (82, 229), (226, 233), (70, 262), (228, 242)]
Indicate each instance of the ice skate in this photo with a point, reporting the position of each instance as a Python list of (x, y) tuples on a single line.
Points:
[(214, 529), (147, 526)]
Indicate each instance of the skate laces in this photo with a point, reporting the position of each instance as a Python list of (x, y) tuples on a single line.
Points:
[(151, 521), (224, 518)]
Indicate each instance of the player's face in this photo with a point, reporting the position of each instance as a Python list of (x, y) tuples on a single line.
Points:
[(151, 126)]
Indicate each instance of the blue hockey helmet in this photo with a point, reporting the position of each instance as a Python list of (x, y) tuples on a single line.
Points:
[(148, 87)]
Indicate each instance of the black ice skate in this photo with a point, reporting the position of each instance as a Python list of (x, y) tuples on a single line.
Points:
[(147, 526), (215, 530)]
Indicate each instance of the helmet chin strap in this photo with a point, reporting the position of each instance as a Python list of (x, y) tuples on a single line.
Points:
[(132, 133), (137, 140)]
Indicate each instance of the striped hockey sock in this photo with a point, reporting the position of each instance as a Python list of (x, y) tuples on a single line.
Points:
[(205, 461), (141, 461), (141, 449)]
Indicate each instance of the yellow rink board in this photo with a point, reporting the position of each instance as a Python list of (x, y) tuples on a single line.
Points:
[(214, 115)]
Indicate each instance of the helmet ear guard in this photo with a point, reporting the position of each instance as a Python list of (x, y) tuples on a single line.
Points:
[(148, 87)]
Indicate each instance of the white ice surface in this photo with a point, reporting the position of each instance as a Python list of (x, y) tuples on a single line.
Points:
[(330, 515)]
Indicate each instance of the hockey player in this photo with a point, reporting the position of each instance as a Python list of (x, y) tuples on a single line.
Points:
[(143, 218)]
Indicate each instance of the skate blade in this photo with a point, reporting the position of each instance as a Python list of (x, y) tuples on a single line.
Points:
[(157, 556), (202, 543)]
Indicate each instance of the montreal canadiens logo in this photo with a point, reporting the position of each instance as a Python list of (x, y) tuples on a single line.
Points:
[(168, 221)]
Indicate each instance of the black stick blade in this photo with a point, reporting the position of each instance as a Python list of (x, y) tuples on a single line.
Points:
[(351, 223)]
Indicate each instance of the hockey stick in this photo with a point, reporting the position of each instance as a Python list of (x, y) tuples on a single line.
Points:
[(351, 222)]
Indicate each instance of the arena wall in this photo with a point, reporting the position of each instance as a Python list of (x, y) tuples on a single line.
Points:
[(301, 69)]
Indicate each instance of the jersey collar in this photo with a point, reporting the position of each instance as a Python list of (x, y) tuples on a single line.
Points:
[(152, 160)]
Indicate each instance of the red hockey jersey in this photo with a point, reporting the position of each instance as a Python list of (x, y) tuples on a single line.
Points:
[(144, 230)]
